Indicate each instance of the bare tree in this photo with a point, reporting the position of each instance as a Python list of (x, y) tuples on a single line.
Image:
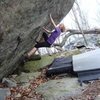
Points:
[(97, 19), (79, 19)]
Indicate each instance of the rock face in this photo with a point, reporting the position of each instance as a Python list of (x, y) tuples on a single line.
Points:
[(60, 89), (20, 24)]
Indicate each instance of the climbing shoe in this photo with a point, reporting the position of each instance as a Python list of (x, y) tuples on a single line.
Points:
[(34, 57)]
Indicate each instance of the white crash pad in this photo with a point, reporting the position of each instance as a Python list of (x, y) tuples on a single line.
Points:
[(87, 61)]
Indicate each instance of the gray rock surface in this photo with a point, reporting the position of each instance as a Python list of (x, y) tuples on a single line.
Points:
[(4, 92), (60, 89), (20, 24), (98, 97), (9, 83), (25, 78)]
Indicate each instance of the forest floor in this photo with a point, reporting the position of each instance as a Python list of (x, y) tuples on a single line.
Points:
[(91, 92)]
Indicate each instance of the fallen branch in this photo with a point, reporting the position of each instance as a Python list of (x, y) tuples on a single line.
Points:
[(74, 32)]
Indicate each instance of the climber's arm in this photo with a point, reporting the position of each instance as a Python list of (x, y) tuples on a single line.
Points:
[(52, 21), (47, 30)]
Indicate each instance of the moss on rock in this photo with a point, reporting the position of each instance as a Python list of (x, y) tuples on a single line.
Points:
[(36, 65), (47, 60)]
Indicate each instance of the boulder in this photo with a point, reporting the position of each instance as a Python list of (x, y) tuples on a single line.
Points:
[(20, 24), (60, 89)]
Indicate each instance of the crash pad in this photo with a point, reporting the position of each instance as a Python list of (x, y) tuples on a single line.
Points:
[(59, 66)]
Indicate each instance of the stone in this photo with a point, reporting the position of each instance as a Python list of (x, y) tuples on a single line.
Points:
[(4, 92), (20, 24), (24, 78), (9, 82), (34, 66), (60, 89), (97, 97)]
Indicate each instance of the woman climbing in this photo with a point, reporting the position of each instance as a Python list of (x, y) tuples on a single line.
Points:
[(48, 40)]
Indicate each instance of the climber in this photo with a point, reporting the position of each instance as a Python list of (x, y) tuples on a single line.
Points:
[(48, 40)]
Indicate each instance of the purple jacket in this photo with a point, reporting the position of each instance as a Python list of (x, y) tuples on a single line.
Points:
[(51, 39)]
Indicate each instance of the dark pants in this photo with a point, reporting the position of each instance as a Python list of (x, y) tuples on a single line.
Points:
[(43, 44)]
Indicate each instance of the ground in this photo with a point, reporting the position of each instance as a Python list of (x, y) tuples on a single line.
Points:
[(36, 86), (90, 92)]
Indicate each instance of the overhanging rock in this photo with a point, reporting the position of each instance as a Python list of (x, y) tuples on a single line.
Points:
[(20, 24)]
